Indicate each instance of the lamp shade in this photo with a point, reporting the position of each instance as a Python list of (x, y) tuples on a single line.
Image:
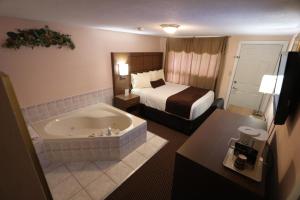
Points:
[(267, 84), (123, 69)]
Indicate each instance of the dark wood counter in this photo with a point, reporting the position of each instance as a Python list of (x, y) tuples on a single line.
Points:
[(199, 169)]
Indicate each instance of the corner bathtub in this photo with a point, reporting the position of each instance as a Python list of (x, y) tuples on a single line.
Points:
[(97, 132)]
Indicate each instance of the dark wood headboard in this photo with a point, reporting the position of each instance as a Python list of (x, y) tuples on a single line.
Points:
[(138, 62)]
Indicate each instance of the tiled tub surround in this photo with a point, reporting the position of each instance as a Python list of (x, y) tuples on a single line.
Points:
[(39, 146), (75, 136), (53, 108), (95, 180)]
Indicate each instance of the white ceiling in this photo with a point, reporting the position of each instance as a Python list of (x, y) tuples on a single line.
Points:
[(196, 17)]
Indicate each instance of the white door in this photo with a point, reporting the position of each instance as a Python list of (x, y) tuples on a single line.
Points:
[(254, 61)]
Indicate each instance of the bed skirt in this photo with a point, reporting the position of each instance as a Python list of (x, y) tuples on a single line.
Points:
[(180, 124)]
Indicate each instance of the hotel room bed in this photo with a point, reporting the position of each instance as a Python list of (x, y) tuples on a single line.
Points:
[(183, 125), (154, 101), (153, 106), (157, 98)]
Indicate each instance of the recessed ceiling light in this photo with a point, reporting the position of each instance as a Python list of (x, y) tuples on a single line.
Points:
[(169, 28)]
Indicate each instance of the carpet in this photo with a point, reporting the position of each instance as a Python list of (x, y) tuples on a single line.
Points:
[(153, 181)]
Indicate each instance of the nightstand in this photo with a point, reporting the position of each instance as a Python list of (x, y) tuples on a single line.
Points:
[(126, 103)]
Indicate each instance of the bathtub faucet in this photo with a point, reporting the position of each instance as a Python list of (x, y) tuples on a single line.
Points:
[(109, 131)]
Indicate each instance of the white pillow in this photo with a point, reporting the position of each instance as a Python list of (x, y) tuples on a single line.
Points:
[(152, 75), (159, 74), (133, 77), (140, 80), (145, 74)]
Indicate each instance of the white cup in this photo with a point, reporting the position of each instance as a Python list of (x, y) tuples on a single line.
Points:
[(126, 92)]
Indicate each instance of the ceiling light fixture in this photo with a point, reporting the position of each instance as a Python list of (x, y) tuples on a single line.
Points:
[(170, 28)]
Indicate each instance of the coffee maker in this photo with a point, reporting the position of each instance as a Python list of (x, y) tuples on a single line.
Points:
[(245, 154), (251, 143)]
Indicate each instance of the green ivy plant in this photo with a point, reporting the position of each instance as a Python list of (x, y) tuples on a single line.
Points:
[(43, 37)]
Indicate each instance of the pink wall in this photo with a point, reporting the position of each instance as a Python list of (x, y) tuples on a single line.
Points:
[(45, 74)]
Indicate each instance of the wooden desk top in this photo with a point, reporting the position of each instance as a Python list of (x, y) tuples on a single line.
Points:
[(209, 144)]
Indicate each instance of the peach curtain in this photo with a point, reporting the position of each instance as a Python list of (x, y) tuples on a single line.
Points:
[(195, 61)]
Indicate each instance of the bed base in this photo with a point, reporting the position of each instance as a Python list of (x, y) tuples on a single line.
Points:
[(183, 125)]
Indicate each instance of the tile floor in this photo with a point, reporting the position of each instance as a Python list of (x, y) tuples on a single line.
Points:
[(96, 180)]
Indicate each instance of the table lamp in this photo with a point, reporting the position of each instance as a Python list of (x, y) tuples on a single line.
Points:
[(267, 86), (123, 72)]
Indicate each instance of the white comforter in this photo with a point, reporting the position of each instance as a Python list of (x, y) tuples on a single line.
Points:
[(157, 98)]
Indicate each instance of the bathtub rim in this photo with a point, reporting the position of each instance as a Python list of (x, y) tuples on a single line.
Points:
[(39, 126)]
